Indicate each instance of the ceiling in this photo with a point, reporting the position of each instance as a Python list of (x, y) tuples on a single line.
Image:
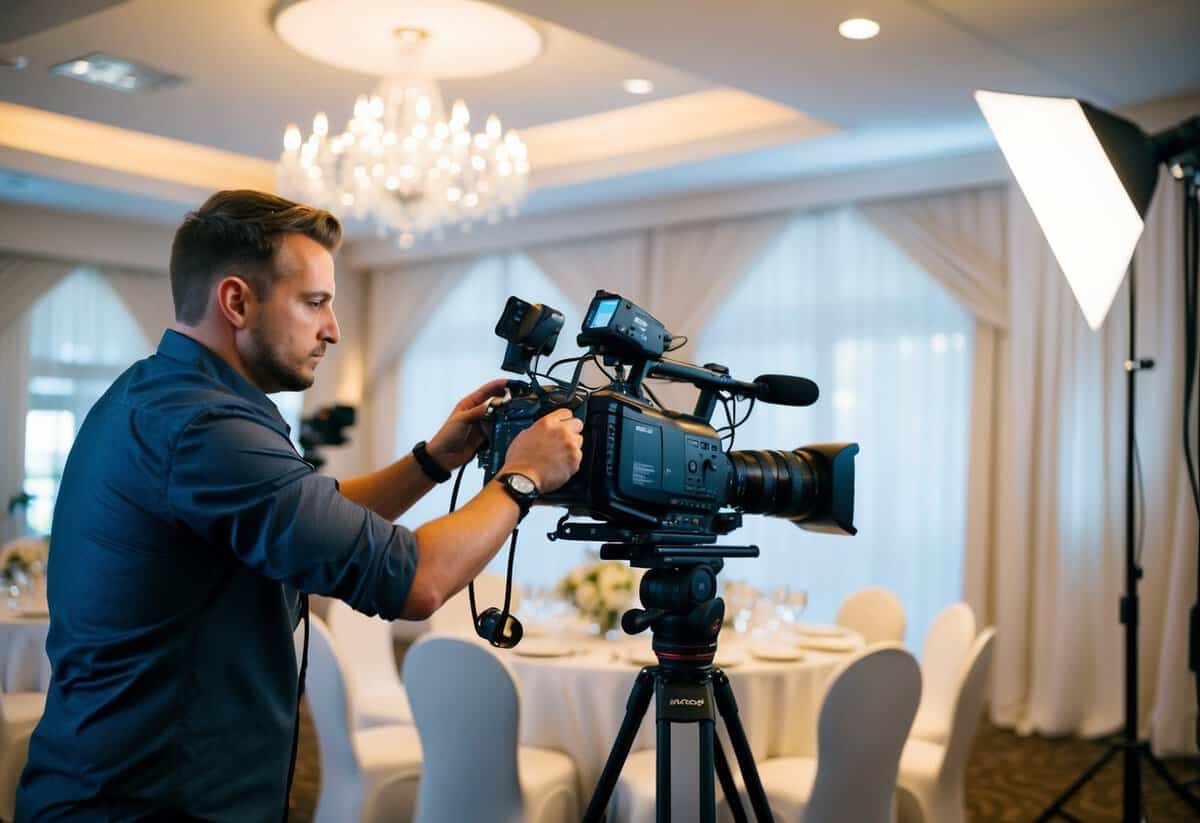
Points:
[(745, 92)]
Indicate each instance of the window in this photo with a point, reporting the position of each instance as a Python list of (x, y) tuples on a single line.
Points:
[(835, 301), (454, 354), (81, 337)]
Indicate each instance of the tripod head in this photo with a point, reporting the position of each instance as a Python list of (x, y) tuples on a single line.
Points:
[(678, 591)]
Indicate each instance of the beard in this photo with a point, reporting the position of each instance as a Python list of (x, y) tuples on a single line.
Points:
[(271, 367)]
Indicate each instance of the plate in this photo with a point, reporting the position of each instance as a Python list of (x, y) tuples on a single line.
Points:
[(777, 653), (543, 647), (822, 630), (828, 644)]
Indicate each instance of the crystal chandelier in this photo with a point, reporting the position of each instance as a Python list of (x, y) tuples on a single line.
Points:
[(402, 163)]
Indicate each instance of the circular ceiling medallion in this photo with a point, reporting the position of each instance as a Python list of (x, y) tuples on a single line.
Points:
[(461, 38)]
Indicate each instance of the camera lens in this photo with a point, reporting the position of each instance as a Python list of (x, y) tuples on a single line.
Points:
[(812, 486), (776, 483)]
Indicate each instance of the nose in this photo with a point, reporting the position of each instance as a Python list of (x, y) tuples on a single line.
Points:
[(330, 332)]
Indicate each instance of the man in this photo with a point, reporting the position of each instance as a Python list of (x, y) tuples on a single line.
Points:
[(186, 523)]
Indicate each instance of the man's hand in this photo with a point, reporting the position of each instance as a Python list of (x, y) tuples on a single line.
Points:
[(548, 452), (461, 435)]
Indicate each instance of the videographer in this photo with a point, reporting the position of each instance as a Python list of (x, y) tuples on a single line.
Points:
[(186, 525)]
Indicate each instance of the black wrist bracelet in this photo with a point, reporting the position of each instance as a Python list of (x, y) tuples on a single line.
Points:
[(428, 465)]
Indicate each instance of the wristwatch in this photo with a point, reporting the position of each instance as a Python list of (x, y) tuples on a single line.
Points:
[(521, 489)]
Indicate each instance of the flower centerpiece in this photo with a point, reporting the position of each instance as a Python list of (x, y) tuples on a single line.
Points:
[(24, 557), (600, 591)]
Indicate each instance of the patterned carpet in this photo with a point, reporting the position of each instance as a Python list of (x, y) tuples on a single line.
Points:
[(1009, 778)]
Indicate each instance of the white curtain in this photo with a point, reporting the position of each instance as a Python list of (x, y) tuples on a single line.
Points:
[(615, 263), (1059, 566), (398, 306), (834, 300), (81, 336), (960, 239), (452, 352), (24, 281), (147, 296)]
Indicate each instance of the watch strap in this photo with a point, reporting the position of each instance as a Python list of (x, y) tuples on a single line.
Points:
[(433, 470)]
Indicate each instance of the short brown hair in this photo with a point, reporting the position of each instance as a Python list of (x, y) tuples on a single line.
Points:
[(238, 229)]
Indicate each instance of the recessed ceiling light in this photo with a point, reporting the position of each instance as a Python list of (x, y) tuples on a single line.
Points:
[(115, 73), (638, 85), (858, 28), (15, 63)]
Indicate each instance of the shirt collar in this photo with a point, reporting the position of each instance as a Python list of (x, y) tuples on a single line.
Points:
[(183, 349)]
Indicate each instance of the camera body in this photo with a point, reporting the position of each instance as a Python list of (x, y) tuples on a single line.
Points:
[(641, 469), (651, 473)]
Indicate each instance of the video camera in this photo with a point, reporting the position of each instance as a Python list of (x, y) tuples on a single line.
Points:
[(652, 475)]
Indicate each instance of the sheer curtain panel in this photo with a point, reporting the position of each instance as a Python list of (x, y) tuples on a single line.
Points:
[(25, 280), (834, 300), (1059, 566), (959, 238)]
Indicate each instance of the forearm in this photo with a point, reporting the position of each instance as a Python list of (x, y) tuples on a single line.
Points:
[(453, 549), (392, 490)]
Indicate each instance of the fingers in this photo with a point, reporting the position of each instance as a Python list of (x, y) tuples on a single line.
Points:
[(491, 388), (474, 414)]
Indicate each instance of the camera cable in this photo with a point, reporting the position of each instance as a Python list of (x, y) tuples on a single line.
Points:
[(497, 626)]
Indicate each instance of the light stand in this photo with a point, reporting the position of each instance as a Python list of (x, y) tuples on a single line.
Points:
[(1085, 171)]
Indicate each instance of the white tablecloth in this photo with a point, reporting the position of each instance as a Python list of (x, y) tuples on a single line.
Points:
[(575, 705), (24, 666)]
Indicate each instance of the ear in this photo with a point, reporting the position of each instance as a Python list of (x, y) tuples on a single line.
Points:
[(234, 301)]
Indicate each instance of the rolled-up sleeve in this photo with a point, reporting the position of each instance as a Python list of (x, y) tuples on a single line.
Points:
[(240, 484)]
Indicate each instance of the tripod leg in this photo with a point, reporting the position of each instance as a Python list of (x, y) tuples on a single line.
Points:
[(708, 790), (1064, 798), (741, 746), (662, 773), (1177, 787), (728, 787), (635, 710)]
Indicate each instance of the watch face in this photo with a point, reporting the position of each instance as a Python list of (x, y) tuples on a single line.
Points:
[(521, 484)]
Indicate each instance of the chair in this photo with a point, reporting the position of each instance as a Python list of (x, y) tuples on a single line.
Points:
[(865, 716), (19, 713), (875, 613), (369, 776), (377, 697), (467, 708), (947, 644), (932, 775), (454, 617)]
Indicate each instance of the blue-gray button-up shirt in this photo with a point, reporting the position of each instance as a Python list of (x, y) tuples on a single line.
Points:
[(185, 525)]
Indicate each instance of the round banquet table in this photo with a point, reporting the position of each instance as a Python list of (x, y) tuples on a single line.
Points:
[(576, 703), (24, 666)]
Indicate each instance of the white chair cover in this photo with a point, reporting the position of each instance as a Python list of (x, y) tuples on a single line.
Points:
[(377, 697), (467, 710), (865, 717), (947, 645), (875, 613), (932, 782), (19, 714), (369, 776)]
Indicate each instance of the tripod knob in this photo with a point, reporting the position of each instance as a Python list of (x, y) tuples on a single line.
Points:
[(636, 621)]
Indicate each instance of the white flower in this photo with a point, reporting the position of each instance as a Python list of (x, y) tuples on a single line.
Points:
[(586, 596)]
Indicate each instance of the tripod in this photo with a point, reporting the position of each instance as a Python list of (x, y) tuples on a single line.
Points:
[(684, 616), (1132, 749)]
